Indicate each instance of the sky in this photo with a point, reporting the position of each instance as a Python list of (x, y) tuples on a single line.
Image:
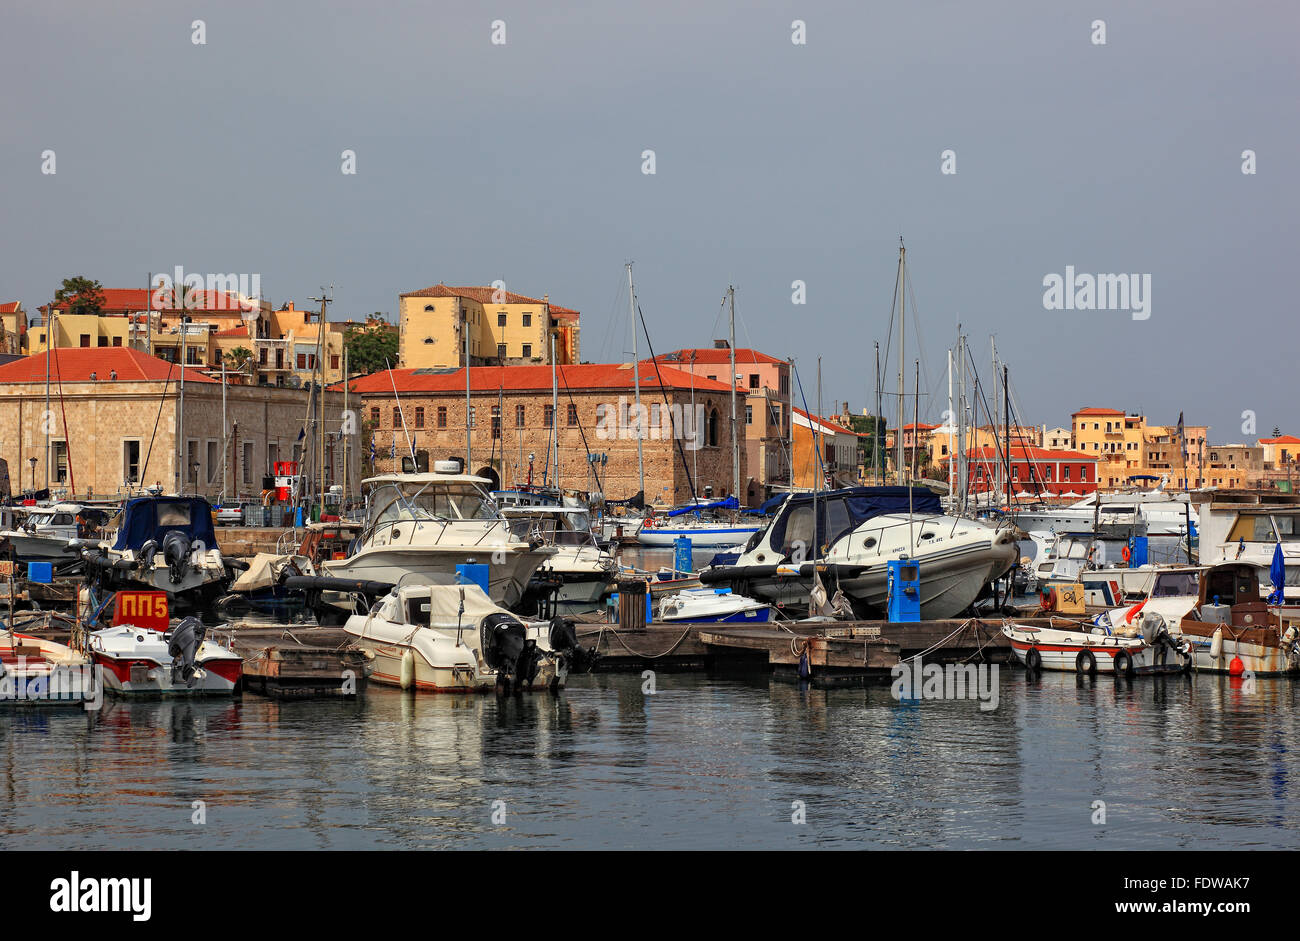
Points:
[(775, 161)]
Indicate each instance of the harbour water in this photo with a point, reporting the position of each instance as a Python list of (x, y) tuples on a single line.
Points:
[(703, 762)]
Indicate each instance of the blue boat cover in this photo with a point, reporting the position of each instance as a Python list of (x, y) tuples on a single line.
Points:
[(146, 518), (843, 510), (1277, 575), (728, 503)]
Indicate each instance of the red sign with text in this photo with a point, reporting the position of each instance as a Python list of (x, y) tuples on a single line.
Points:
[(147, 609)]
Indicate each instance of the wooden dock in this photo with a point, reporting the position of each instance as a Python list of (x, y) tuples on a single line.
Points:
[(297, 661)]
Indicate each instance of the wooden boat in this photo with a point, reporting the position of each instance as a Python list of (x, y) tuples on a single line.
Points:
[(1089, 649), (35, 671)]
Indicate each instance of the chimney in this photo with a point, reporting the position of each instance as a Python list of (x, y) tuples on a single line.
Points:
[(721, 345)]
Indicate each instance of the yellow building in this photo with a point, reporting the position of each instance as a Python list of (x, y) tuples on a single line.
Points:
[(13, 327), (1126, 446), (504, 328)]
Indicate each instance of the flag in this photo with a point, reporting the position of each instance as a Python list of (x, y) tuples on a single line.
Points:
[(393, 455), (413, 437), (372, 449), (302, 433), (1182, 437)]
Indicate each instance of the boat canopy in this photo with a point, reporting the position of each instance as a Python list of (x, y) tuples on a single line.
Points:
[(844, 510), (146, 518), (769, 506), (727, 503)]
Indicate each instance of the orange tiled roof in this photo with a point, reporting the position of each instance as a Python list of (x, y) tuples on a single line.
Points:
[(75, 364), (586, 376), (1097, 411), (117, 300)]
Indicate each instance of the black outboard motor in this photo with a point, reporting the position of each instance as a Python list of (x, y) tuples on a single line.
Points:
[(564, 641), (182, 645), (503, 642), (176, 553)]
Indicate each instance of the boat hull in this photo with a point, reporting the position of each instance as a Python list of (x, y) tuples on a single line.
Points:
[(701, 538), (1060, 651), (508, 571)]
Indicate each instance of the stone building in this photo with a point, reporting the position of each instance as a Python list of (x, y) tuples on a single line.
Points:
[(512, 422), (115, 417)]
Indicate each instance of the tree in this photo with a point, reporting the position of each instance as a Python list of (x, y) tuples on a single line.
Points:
[(238, 358), (85, 295), (371, 347), (1277, 432)]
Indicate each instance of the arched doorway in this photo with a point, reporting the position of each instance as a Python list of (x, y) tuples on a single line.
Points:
[(491, 474)]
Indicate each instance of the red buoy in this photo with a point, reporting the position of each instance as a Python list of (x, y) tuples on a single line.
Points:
[(1236, 667)]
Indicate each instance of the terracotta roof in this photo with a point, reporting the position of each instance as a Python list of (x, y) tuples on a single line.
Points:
[(826, 427), (1097, 411), (232, 332), (920, 425), (1284, 439), (75, 364), (488, 296), (586, 376), (138, 299), (10, 308), (708, 356)]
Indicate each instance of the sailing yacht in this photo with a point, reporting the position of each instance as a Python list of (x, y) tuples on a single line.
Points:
[(429, 523)]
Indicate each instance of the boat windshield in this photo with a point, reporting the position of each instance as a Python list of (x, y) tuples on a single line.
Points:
[(1176, 585), (391, 503)]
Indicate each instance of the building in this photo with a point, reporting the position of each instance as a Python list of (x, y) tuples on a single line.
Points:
[(513, 427), (1232, 466), (1280, 463), (1055, 439), (763, 393), (1035, 471), (121, 410), (836, 447), (1126, 447), (504, 328), (13, 327)]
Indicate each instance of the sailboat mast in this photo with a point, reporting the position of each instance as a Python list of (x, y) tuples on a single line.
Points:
[(735, 443), (555, 413), (902, 349), (877, 439), (636, 381), (952, 455)]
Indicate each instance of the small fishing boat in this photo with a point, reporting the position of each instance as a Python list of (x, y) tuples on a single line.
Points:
[(712, 606), (1089, 648), (49, 533), (454, 639), (141, 661), (35, 671)]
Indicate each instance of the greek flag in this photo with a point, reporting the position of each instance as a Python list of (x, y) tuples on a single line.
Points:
[(393, 455), (413, 437), (372, 450)]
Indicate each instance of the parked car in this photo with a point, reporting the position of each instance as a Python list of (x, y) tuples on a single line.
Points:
[(231, 512)]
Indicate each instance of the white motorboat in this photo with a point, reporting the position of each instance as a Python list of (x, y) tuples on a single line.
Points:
[(453, 638), (712, 606), (1101, 564), (427, 524), (1248, 527), (48, 533), (36, 671), (1157, 512), (141, 661), (586, 571), (860, 530), (163, 543), (1089, 648)]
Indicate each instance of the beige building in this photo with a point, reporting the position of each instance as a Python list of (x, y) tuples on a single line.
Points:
[(504, 328), (1126, 446), (13, 327), (102, 437)]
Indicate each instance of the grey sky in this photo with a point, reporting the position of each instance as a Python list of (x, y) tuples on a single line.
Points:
[(775, 162)]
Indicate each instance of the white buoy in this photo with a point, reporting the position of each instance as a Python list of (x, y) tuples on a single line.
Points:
[(408, 669), (1216, 644)]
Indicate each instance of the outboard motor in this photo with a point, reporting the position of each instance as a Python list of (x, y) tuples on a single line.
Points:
[(503, 642), (564, 641), (176, 553), (182, 645)]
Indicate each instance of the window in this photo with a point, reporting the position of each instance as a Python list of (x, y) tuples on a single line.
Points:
[(334, 361), (261, 358), (785, 383), (103, 341), (117, 341), (60, 461), (302, 360), (528, 320), (191, 356), (548, 416), (472, 422), (397, 416), (85, 339), (1065, 473), (753, 380), (520, 412), (527, 351), (374, 415), (419, 416), (501, 319), (213, 461), (749, 414), (130, 461), (713, 428), (442, 416), (496, 422), (501, 349), (573, 415)]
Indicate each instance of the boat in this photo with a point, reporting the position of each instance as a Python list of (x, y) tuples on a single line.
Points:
[(861, 530), (1158, 511), (36, 671), (1089, 649), (49, 533), (693, 522), (1249, 526), (163, 543), (454, 638), (427, 524), (182, 661), (712, 606), (586, 571), (1104, 566)]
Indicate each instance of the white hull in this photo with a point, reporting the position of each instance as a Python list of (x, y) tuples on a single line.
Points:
[(1062, 651), (701, 537), (508, 572)]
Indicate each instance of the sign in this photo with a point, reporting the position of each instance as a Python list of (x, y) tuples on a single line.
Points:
[(147, 609)]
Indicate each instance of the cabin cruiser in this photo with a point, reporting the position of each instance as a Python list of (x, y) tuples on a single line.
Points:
[(586, 570), (1248, 527), (48, 532), (141, 661), (861, 529), (1159, 512), (454, 638), (1111, 570), (429, 523), (698, 523), (163, 543)]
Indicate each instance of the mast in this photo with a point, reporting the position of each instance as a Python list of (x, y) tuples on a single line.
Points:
[(343, 439), (952, 455), (555, 413), (877, 439), (1006, 424), (695, 452), (902, 348), (735, 442), (182, 451), (224, 433), (468, 445), (49, 339), (996, 417), (636, 379), (816, 426)]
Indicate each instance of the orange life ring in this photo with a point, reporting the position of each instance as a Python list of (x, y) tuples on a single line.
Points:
[(1126, 554)]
